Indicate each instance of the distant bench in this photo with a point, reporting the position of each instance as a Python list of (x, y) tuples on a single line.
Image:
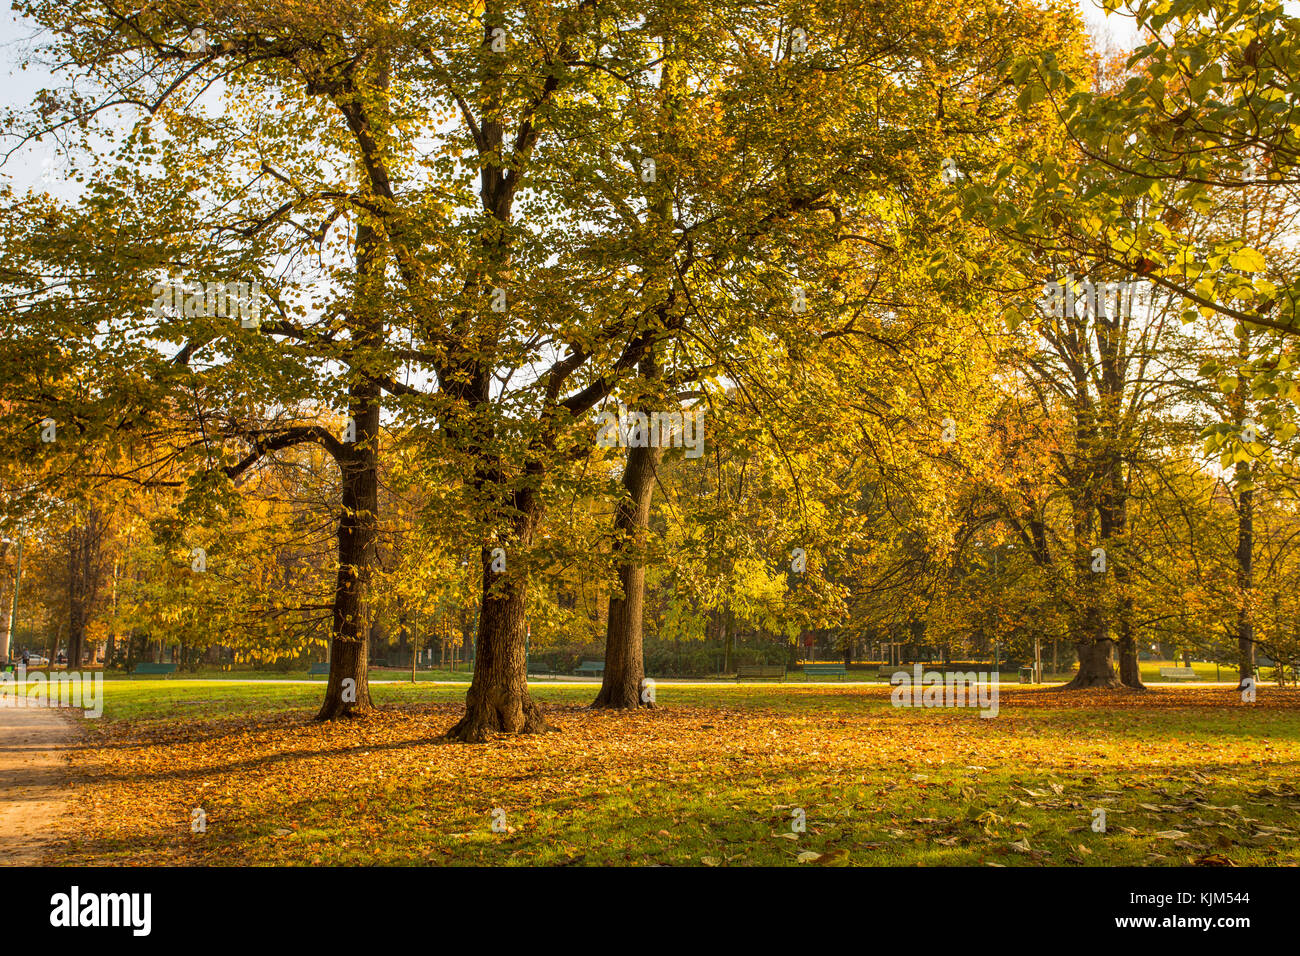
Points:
[(154, 669), (591, 667), (543, 668), (824, 670), (744, 671), (318, 669), (1178, 673)]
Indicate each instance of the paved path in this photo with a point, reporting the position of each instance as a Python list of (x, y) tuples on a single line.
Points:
[(34, 791)]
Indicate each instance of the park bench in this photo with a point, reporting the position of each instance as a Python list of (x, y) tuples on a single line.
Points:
[(154, 669), (317, 669), (540, 669), (760, 671), (591, 667), (1177, 673), (824, 670)]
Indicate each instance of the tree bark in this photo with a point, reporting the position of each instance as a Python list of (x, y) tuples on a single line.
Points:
[(624, 656), (85, 575), (347, 693), (1245, 579), (1095, 667), (498, 700), (1116, 516), (1130, 673)]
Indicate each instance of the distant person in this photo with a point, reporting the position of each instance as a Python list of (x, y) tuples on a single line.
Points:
[(26, 656)]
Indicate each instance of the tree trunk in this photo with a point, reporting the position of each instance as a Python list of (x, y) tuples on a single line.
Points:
[(1093, 642), (1115, 529), (1245, 580), (85, 540), (624, 659), (414, 645), (1130, 674), (1095, 668), (76, 597), (347, 694), (5, 608), (76, 640), (498, 699)]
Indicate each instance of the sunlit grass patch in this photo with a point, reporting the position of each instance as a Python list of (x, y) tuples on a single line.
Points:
[(712, 776)]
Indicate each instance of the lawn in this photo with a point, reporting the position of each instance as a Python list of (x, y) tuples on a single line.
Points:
[(1150, 671), (714, 775)]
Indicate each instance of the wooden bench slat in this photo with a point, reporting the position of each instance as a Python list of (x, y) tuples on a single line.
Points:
[(760, 670), (149, 668), (824, 669)]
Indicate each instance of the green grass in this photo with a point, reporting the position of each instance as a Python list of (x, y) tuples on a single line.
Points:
[(711, 776)]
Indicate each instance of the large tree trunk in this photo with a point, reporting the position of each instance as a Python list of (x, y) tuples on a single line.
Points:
[(78, 567), (76, 637), (1094, 648), (1245, 579), (1092, 642), (1130, 673), (347, 694), (85, 572), (624, 658), (1095, 668), (498, 699)]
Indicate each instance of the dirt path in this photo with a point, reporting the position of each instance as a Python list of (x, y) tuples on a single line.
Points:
[(34, 791)]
